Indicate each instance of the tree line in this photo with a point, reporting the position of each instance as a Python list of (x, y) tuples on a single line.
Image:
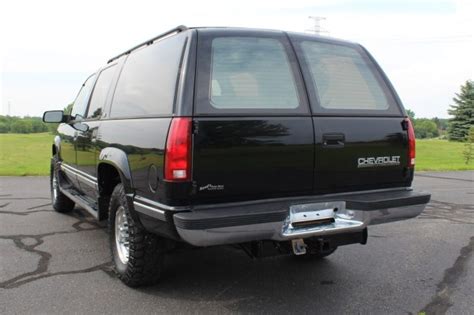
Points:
[(13, 124), (424, 127), (428, 127), (456, 128)]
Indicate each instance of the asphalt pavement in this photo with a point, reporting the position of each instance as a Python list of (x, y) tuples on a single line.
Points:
[(53, 263)]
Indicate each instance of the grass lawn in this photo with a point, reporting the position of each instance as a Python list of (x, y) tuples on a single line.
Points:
[(440, 155), (29, 154), (25, 154)]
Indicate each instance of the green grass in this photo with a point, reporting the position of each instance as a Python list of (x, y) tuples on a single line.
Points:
[(29, 154), (440, 155), (25, 154)]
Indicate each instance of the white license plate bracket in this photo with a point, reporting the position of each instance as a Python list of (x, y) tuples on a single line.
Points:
[(324, 213)]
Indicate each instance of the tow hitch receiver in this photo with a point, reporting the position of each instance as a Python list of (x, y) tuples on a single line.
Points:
[(299, 247)]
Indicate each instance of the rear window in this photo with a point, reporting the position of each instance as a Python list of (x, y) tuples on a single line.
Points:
[(251, 73), (248, 73), (147, 83), (344, 78)]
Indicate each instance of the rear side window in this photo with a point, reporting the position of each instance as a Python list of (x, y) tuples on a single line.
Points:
[(247, 73), (251, 73), (345, 79), (147, 83), (99, 95)]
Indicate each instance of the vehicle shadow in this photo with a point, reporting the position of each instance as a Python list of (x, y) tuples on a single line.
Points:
[(240, 284), (225, 277)]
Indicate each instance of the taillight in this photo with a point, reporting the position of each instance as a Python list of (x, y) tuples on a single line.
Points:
[(411, 143), (178, 150)]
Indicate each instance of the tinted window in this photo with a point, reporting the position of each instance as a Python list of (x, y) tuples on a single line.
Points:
[(147, 83), (344, 78), (99, 95), (253, 73), (80, 104)]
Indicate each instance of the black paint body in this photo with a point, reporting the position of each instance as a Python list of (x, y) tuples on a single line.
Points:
[(251, 154)]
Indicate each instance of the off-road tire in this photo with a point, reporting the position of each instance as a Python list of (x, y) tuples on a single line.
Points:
[(61, 203), (146, 250)]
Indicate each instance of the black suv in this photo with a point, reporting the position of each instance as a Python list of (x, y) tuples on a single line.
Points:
[(280, 143)]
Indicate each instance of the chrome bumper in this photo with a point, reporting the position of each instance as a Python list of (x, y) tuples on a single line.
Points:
[(281, 219), (344, 222)]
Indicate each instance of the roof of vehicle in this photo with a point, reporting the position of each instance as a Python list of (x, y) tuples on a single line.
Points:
[(182, 28)]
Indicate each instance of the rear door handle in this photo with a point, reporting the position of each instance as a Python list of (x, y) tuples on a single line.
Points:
[(334, 140)]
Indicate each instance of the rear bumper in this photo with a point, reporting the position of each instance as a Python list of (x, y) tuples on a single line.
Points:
[(274, 219)]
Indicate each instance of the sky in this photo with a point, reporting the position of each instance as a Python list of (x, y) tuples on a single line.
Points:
[(48, 47)]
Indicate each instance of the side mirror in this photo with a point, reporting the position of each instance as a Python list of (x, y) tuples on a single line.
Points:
[(54, 116), (80, 126)]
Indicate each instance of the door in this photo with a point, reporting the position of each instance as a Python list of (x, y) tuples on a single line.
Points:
[(86, 141), (69, 131), (253, 133), (360, 136), (68, 151)]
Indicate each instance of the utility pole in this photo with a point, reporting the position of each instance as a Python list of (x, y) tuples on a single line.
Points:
[(316, 29), (9, 107)]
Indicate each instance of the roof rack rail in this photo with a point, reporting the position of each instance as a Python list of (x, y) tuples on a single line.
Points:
[(177, 29)]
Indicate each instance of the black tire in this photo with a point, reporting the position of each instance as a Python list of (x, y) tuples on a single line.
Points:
[(145, 250), (61, 203)]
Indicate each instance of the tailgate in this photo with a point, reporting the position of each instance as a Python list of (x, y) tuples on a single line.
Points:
[(361, 141), (372, 153), (253, 134), (252, 158)]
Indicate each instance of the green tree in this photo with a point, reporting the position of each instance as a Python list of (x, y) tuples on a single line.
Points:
[(21, 126), (38, 126), (468, 151), (411, 114), (68, 109), (462, 112), (441, 123), (4, 127), (53, 128), (425, 128)]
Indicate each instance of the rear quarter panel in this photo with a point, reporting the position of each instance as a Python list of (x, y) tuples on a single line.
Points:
[(143, 141)]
